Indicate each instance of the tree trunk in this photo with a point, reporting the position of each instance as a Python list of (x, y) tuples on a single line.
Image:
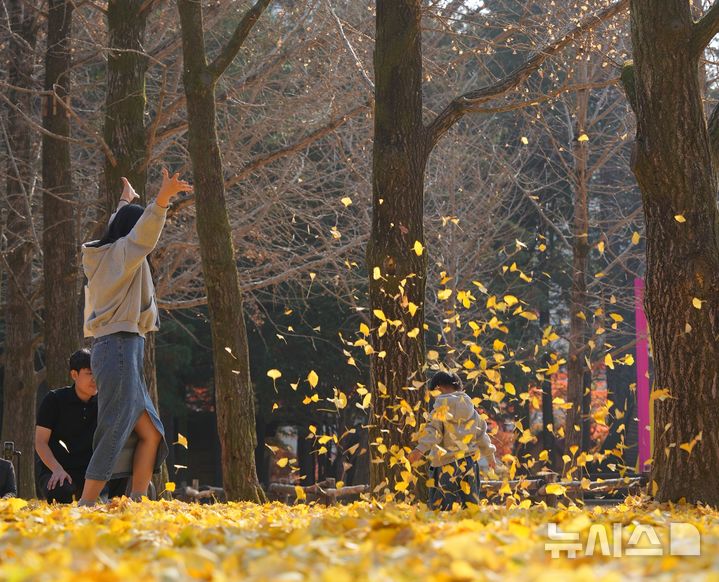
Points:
[(578, 373), (59, 240), (125, 132), (672, 162), (233, 387), (150, 371), (19, 381), (397, 274), (126, 136)]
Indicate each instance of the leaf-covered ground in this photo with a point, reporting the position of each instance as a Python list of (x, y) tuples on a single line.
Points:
[(175, 541)]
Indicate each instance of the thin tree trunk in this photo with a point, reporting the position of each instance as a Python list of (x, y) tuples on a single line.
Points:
[(126, 135), (397, 273), (19, 380), (672, 161), (578, 373), (60, 244), (234, 393)]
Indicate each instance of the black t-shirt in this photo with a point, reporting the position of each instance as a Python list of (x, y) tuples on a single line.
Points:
[(73, 423)]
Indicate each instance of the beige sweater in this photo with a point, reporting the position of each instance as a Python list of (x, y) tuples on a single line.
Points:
[(454, 430), (120, 295)]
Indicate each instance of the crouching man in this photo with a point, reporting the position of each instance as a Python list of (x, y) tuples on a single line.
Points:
[(66, 424)]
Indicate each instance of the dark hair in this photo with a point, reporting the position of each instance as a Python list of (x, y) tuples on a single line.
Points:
[(80, 360), (445, 379), (124, 221)]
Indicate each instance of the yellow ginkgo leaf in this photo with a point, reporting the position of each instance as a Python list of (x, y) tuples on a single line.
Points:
[(313, 378), (181, 440), (418, 248), (346, 200), (679, 218), (414, 333), (274, 373), (582, 138), (636, 237), (376, 274), (608, 361), (556, 489), (170, 486), (697, 303), (444, 294)]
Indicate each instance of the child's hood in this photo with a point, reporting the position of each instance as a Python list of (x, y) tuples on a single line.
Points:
[(458, 404)]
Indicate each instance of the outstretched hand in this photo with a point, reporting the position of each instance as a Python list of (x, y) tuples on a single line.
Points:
[(128, 192), (171, 187)]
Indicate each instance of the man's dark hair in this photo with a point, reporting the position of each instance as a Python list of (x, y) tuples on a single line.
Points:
[(80, 360), (445, 379)]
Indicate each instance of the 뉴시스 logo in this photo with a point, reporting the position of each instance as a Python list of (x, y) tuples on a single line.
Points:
[(684, 540)]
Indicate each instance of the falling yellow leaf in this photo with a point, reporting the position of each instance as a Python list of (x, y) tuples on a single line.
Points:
[(300, 493), (556, 489), (313, 378), (697, 303), (510, 300), (274, 374), (376, 274), (582, 138), (524, 140), (636, 237), (170, 486), (282, 462), (608, 361), (414, 333), (418, 248), (346, 201), (444, 294), (181, 440), (679, 218)]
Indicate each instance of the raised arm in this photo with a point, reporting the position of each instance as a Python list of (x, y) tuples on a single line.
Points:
[(143, 238)]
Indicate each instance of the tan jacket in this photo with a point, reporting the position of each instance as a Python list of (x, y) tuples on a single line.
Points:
[(120, 295), (455, 430)]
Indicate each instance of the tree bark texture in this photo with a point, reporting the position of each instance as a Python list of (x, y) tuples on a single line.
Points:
[(397, 273), (579, 377), (60, 236), (234, 394), (19, 380), (672, 161), (125, 132), (126, 136)]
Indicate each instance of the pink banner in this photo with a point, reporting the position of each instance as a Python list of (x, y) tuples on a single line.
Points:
[(642, 363)]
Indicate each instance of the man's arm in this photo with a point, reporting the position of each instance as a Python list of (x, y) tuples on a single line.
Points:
[(42, 447)]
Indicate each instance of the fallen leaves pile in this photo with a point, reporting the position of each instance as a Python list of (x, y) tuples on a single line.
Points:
[(363, 541)]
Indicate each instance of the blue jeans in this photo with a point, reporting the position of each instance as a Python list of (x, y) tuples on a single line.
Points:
[(456, 482), (122, 398)]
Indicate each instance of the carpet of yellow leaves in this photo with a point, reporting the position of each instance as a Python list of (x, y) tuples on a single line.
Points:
[(363, 541)]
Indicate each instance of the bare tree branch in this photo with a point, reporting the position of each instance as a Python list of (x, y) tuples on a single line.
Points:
[(705, 29), (469, 101), (228, 54)]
